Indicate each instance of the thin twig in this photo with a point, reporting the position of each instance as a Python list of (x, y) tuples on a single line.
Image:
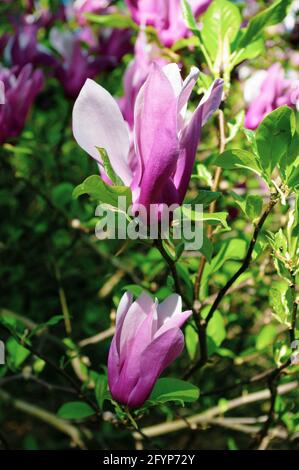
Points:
[(215, 187), (172, 267), (45, 416), (247, 260), (98, 337), (206, 416)]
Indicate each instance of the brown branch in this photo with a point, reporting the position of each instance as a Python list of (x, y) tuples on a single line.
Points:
[(294, 310), (172, 267), (45, 416), (208, 415), (247, 260), (215, 187)]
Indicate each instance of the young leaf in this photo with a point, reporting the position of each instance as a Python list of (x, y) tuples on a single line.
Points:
[(207, 248), (205, 197), (108, 168), (265, 337), (272, 15), (254, 206), (101, 390), (168, 389), (95, 187), (221, 22), (216, 329), (191, 339), (75, 410), (16, 352), (237, 158), (114, 20), (274, 136), (211, 218), (281, 301)]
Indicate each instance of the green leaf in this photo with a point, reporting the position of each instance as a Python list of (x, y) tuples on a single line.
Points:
[(265, 337), (192, 25), (203, 174), (168, 389), (191, 339), (101, 389), (221, 23), (54, 320), (237, 158), (254, 206), (272, 15), (205, 197), (289, 164), (216, 329), (214, 218), (115, 20), (189, 17), (251, 51), (281, 301), (95, 187), (17, 353), (273, 137), (207, 248), (75, 410), (233, 249)]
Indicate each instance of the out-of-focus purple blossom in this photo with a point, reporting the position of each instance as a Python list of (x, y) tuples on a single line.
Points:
[(76, 64), (166, 16), (147, 340), (137, 73), (165, 141), (251, 8), (23, 47), (268, 90), (113, 45), (21, 86)]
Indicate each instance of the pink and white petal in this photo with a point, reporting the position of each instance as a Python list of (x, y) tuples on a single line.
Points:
[(137, 313), (156, 136), (211, 100), (98, 122), (154, 359), (187, 88), (173, 73), (113, 364), (131, 354), (169, 307), (123, 307), (191, 134), (176, 321)]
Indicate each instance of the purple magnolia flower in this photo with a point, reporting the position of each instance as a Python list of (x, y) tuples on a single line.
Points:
[(20, 89), (76, 64), (23, 48), (113, 45), (137, 73), (166, 16), (266, 91), (147, 340), (159, 168)]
